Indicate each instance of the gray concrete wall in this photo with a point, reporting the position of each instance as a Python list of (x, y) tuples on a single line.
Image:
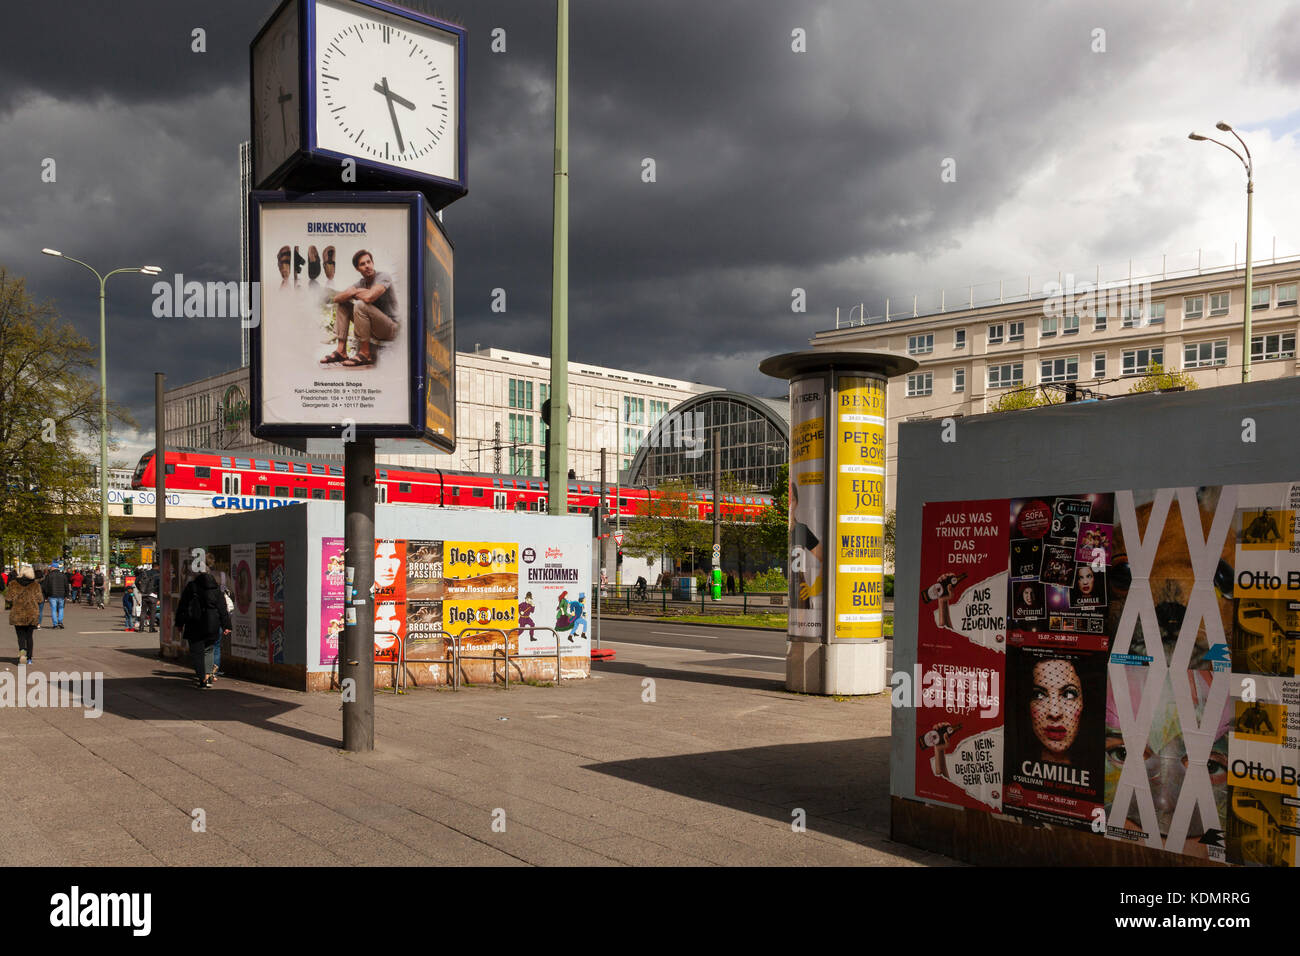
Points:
[(1183, 439)]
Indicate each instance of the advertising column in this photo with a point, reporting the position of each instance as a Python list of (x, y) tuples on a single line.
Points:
[(837, 517)]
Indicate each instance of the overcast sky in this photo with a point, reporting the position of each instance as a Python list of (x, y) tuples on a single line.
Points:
[(775, 169)]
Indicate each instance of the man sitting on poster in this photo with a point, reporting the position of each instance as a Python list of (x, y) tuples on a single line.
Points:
[(371, 306)]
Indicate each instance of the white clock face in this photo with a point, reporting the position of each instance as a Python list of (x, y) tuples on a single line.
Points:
[(386, 89), (275, 94)]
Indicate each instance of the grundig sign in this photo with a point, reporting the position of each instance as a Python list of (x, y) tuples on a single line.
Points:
[(234, 408)]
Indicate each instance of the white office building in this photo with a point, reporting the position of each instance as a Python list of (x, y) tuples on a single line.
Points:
[(499, 396)]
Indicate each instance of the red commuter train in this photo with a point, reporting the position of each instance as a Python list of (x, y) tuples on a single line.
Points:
[(220, 473)]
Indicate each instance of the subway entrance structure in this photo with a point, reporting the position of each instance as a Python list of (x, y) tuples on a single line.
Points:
[(837, 517)]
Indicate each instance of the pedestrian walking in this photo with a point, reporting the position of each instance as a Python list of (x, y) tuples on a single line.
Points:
[(76, 580), (731, 583), (128, 607), (55, 589), (204, 620), (23, 599), (101, 587)]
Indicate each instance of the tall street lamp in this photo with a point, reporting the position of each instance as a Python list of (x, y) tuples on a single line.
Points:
[(103, 395), (1250, 196)]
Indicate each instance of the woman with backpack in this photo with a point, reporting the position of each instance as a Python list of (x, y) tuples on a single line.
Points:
[(203, 616)]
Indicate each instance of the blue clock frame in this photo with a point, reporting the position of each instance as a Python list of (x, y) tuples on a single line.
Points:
[(311, 167), (421, 218)]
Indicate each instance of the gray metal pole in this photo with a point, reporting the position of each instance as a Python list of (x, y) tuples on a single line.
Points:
[(717, 493), (103, 435), (1250, 306), (557, 466), (357, 661), (600, 543), (159, 458)]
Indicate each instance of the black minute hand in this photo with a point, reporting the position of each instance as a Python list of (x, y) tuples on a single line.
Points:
[(382, 87)]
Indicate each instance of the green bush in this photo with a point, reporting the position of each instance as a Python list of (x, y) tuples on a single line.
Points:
[(771, 580), (889, 585)]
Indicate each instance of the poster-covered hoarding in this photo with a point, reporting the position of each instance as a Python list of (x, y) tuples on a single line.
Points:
[(532, 591), (1147, 640), (859, 533), (807, 508)]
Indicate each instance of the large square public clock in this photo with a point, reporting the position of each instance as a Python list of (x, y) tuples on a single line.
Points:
[(361, 80)]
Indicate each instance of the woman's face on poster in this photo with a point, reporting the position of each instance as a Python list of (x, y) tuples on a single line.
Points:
[(387, 564), (1055, 705), (1085, 581)]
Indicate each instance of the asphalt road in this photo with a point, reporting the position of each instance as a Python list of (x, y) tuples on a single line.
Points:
[(766, 649)]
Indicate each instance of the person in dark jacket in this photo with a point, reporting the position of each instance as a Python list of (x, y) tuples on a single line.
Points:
[(23, 595), (55, 587), (203, 616)]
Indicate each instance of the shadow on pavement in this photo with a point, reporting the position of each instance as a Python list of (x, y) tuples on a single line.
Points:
[(727, 680), (841, 785), (173, 695)]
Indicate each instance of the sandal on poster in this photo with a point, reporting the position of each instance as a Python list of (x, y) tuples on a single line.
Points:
[(359, 361), (335, 356)]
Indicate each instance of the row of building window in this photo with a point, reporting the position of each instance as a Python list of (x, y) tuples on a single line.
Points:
[(1154, 314), (1263, 348)]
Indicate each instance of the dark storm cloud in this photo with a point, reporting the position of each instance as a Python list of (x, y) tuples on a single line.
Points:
[(775, 170)]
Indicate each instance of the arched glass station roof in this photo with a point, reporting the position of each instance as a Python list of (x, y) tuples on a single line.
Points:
[(755, 434)]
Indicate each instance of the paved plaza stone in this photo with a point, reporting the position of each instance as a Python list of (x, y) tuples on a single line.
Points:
[(713, 771)]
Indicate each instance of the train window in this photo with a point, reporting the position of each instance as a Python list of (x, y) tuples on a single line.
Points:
[(261, 465), (535, 485), (171, 469), (243, 463), (281, 491), (301, 492), (383, 472), (225, 462), (622, 502), (261, 489), (299, 469), (318, 493), (336, 471), (573, 488), (404, 487), (336, 494), (478, 492), (202, 471)]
